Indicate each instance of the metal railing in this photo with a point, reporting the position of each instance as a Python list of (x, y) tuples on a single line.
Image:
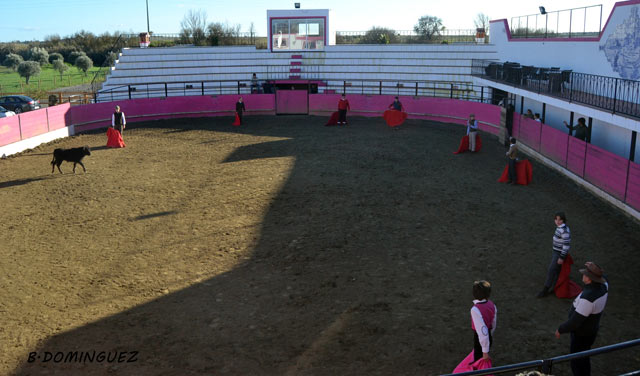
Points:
[(568, 23), (616, 95), (439, 89), (546, 365), (171, 39), (411, 37)]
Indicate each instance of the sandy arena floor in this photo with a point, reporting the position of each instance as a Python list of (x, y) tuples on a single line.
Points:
[(288, 248)]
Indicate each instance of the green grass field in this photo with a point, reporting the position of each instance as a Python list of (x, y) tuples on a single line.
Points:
[(48, 80)]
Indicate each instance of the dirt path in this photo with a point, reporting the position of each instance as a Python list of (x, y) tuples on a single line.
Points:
[(289, 248)]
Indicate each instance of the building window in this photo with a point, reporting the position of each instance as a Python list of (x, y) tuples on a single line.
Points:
[(297, 34)]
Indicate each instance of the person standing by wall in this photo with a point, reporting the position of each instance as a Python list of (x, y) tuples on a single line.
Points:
[(396, 105), (118, 120), (254, 84), (240, 108), (512, 154), (343, 107), (584, 316), (472, 132), (561, 247), (580, 128)]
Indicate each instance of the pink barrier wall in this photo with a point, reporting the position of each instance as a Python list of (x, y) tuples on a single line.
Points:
[(554, 144), (58, 116), (33, 123), (576, 156), (436, 109), (607, 171), (136, 110), (529, 133), (9, 130), (633, 186), (292, 102)]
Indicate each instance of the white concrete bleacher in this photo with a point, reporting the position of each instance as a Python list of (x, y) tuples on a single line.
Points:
[(209, 70)]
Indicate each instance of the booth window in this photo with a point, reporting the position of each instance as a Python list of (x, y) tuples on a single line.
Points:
[(297, 34)]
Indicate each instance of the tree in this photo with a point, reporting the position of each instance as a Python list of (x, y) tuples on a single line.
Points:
[(481, 21), (193, 25), (75, 55), (428, 27), (12, 61), (111, 58), (60, 66), (28, 69), (39, 54), (84, 63), (55, 56), (379, 35)]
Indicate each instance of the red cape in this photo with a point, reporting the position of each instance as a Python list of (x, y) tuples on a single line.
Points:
[(114, 139), (237, 121), (565, 287), (524, 173), (333, 120), (468, 364), (464, 144), (394, 117)]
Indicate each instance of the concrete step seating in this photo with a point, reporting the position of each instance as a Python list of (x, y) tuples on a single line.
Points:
[(153, 67)]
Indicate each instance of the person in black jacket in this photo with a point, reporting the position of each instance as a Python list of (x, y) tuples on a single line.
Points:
[(580, 128), (240, 108), (584, 316)]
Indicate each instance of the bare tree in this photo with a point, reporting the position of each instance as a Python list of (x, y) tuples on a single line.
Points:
[(481, 21), (193, 26), (252, 33)]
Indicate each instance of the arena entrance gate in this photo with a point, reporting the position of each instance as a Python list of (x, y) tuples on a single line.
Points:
[(292, 97)]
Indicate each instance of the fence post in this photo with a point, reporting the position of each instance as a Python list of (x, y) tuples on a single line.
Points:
[(238, 87), (481, 94), (129, 87), (570, 86), (416, 89), (166, 92), (344, 87), (380, 87), (202, 86), (615, 95), (451, 92)]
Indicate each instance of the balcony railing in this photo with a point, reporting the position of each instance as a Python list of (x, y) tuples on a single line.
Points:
[(582, 22), (612, 94), (446, 36)]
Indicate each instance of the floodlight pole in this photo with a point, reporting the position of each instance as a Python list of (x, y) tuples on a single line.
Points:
[(148, 30)]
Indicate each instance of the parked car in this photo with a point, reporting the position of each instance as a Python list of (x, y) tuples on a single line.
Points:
[(19, 103), (5, 113)]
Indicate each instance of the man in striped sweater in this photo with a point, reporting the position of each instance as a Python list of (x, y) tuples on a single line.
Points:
[(561, 246), (584, 316)]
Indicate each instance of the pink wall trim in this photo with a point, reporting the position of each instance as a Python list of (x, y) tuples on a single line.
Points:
[(576, 156), (95, 116), (607, 171), (57, 116), (33, 123), (436, 109), (554, 144), (9, 130), (529, 132), (292, 102), (592, 39), (633, 186)]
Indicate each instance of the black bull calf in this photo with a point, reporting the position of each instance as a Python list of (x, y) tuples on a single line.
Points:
[(74, 155)]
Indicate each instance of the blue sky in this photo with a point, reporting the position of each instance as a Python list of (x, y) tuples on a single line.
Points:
[(36, 19)]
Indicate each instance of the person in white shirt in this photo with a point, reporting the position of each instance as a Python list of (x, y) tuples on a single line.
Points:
[(484, 316), (118, 120)]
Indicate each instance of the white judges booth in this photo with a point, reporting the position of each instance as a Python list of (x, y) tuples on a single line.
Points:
[(299, 30)]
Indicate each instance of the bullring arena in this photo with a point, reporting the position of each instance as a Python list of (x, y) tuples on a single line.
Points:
[(284, 247), (287, 247)]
